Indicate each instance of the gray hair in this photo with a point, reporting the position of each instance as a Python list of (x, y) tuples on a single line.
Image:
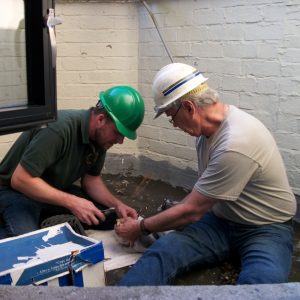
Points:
[(210, 96), (201, 99)]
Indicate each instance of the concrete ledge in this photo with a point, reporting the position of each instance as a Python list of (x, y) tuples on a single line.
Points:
[(290, 291)]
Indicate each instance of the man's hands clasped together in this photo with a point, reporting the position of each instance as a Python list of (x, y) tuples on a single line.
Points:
[(128, 229)]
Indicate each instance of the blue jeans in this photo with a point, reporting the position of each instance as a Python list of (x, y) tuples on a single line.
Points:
[(265, 252), (21, 214)]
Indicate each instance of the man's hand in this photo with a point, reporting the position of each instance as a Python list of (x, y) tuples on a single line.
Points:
[(128, 229), (98, 191), (86, 211), (124, 211)]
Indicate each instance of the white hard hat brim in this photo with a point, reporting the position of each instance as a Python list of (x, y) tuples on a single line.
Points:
[(172, 82), (159, 111), (162, 108)]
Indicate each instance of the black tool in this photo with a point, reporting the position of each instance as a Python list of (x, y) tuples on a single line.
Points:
[(108, 211)]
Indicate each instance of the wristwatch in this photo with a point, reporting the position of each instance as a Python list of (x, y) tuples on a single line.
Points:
[(143, 228)]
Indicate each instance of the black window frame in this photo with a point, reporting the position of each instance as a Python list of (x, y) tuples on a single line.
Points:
[(41, 74)]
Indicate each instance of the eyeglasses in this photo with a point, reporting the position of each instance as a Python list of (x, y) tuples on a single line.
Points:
[(172, 120)]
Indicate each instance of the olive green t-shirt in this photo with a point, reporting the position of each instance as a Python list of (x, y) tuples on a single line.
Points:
[(60, 154)]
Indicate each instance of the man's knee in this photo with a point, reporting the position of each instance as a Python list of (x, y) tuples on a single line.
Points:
[(20, 216), (262, 276)]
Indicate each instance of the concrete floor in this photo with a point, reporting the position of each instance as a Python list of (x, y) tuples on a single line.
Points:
[(289, 291)]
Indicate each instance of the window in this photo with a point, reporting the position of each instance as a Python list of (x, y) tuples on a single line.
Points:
[(27, 65)]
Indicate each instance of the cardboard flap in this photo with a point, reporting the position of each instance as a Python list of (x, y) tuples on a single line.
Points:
[(90, 255)]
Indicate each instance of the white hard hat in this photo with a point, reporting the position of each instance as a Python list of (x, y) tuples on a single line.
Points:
[(172, 82)]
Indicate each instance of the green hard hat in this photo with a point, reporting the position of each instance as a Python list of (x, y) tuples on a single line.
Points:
[(126, 107)]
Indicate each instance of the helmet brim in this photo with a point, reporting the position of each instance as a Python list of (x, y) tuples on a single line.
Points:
[(159, 111), (130, 134), (172, 82), (125, 106)]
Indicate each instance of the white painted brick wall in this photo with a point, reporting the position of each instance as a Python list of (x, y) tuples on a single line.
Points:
[(97, 48), (250, 50)]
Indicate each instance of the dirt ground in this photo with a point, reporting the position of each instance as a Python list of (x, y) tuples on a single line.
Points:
[(146, 195)]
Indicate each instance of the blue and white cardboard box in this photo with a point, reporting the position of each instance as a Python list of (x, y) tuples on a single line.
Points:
[(54, 256)]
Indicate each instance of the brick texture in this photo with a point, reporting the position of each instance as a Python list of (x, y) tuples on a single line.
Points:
[(250, 50)]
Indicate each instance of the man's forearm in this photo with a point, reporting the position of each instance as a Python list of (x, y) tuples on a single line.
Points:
[(39, 190), (97, 190), (171, 218), (191, 209)]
